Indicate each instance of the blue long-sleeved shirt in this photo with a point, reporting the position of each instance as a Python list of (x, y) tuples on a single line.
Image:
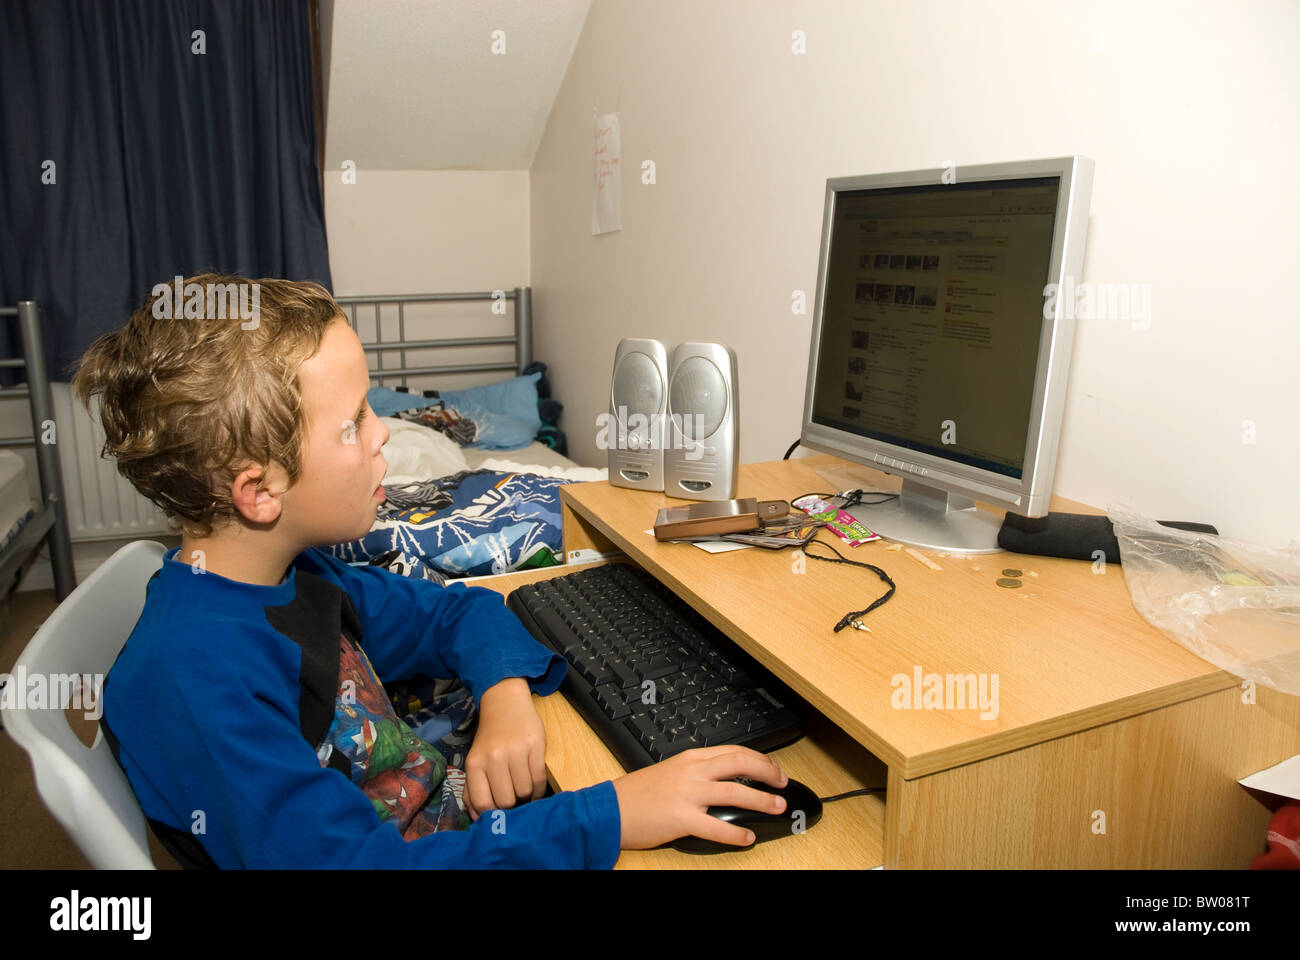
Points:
[(221, 706)]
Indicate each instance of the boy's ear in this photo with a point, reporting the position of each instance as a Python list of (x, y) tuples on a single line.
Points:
[(257, 491)]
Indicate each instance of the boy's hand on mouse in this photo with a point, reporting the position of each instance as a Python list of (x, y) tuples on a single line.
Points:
[(506, 763), (660, 803)]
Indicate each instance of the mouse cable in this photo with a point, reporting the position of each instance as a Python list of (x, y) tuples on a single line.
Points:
[(852, 793), (791, 450)]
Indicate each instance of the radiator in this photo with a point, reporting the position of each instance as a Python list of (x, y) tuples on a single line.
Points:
[(101, 504)]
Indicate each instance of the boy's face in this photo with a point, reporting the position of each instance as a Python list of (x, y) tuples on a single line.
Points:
[(337, 492)]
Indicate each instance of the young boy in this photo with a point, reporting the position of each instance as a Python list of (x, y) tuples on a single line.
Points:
[(246, 708)]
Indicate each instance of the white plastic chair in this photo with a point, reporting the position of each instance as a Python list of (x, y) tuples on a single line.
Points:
[(84, 787)]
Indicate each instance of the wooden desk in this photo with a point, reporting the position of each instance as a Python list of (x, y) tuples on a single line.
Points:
[(1107, 746)]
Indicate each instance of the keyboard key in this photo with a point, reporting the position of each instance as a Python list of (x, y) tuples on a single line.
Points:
[(720, 734), (689, 688), (707, 734), (684, 655), (612, 700), (643, 728), (669, 689), (551, 622), (677, 730), (586, 662), (728, 672), (624, 675), (658, 667)]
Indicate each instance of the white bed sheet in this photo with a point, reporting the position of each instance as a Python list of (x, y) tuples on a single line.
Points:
[(416, 453), (535, 453)]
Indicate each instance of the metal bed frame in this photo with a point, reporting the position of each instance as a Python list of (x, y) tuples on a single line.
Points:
[(51, 519), (522, 339)]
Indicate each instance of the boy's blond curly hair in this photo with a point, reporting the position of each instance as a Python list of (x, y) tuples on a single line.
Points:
[(187, 402)]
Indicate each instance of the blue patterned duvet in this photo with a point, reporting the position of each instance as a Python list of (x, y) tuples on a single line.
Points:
[(469, 524)]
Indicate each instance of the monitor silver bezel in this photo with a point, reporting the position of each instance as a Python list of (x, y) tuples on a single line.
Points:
[(1030, 495)]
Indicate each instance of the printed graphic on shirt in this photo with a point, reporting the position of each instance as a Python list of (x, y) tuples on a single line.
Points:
[(440, 711), (405, 777)]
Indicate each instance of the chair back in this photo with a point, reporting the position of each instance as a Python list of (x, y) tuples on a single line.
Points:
[(83, 786)]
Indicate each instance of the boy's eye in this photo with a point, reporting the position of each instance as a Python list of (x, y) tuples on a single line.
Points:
[(361, 415)]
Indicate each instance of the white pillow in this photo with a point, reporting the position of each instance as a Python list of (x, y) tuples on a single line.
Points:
[(415, 452)]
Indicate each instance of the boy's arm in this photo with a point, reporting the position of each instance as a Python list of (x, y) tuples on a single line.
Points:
[(267, 801), (416, 627)]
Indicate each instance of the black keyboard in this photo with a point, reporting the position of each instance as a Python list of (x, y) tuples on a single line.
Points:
[(650, 675)]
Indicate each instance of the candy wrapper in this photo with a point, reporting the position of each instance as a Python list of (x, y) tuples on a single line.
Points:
[(844, 526)]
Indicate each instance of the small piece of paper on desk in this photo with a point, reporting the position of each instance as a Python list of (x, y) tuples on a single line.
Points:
[(721, 546), (1282, 779)]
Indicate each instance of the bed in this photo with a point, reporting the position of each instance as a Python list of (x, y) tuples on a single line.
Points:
[(26, 522), (474, 473)]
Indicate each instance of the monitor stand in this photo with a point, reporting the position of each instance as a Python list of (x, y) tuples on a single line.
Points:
[(925, 516)]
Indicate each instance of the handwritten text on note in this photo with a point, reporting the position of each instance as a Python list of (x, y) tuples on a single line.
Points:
[(607, 184)]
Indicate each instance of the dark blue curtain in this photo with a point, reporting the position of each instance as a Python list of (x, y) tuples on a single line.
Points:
[(134, 147)]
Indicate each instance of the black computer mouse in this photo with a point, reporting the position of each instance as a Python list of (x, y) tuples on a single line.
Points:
[(803, 809)]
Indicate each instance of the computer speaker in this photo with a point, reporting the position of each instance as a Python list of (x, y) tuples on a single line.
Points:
[(638, 398), (702, 445)]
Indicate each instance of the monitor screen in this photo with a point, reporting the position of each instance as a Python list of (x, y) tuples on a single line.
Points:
[(932, 315)]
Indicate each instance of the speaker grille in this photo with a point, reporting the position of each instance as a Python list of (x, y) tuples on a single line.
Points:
[(637, 386), (698, 387)]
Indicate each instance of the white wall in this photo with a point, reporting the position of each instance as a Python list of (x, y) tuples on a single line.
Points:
[(425, 231), (1188, 109)]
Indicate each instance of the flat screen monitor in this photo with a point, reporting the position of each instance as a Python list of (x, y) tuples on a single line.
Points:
[(941, 339)]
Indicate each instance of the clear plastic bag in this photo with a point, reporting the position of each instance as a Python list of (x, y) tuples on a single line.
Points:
[(1231, 602)]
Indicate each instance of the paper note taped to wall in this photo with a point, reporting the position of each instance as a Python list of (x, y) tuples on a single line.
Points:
[(607, 186)]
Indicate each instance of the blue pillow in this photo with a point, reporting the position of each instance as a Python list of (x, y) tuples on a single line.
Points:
[(505, 413), (515, 398), (386, 402)]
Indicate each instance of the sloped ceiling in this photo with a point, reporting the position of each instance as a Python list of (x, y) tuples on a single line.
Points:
[(415, 84)]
